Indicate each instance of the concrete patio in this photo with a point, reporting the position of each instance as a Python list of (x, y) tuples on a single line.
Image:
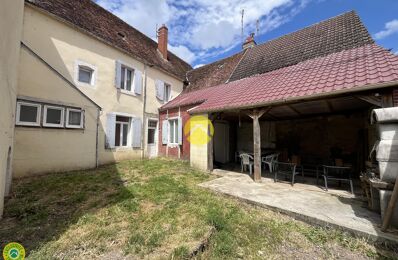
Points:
[(309, 203)]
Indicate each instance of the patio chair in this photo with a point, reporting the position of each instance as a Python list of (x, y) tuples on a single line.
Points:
[(269, 160), (337, 173), (286, 169), (246, 160)]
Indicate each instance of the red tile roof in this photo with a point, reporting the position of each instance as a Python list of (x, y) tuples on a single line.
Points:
[(95, 20), (348, 70)]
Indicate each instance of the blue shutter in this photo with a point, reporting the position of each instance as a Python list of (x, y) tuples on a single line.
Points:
[(110, 130), (118, 73), (136, 125), (137, 82)]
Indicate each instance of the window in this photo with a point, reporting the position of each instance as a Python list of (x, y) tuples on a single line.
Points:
[(74, 118), (28, 114), (152, 131), (126, 79), (122, 131), (85, 73), (53, 116), (173, 126), (167, 92)]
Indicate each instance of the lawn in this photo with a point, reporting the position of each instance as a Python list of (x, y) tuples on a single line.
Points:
[(154, 209)]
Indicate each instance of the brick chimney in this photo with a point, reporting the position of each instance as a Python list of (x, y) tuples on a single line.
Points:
[(162, 40), (250, 42)]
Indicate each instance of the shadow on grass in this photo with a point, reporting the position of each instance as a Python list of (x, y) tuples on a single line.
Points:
[(41, 209)]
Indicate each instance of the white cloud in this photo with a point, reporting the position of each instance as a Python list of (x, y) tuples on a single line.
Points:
[(182, 52), (198, 65), (390, 27), (199, 29)]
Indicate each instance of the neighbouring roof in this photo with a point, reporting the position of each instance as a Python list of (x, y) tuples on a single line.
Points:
[(213, 74), (345, 71), (342, 32), (92, 18)]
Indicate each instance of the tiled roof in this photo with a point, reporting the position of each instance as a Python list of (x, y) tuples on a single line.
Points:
[(342, 32), (345, 71), (92, 18), (213, 74)]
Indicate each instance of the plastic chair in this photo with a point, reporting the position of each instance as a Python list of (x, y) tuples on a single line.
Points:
[(246, 160), (287, 169)]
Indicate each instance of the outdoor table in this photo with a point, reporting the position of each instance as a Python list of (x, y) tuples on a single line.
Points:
[(337, 173)]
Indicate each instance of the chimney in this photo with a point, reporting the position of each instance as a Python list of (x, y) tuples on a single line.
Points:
[(250, 42), (162, 40)]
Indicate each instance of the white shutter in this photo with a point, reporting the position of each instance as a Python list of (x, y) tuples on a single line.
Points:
[(179, 131), (165, 131), (136, 125), (137, 82), (110, 130), (159, 89), (118, 74)]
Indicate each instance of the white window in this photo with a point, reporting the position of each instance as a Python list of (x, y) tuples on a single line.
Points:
[(152, 131), (126, 78), (173, 134), (74, 118), (28, 114), (53, 116), (167, 92), (85, 73), (122, 129)]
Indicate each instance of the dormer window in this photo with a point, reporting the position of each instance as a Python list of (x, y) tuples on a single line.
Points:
[(121, 35)]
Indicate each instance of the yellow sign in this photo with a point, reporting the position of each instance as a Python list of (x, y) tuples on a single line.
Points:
[(14, 251), (198, 130)]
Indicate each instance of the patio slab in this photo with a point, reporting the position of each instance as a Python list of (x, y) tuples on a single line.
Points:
[(309, 203)]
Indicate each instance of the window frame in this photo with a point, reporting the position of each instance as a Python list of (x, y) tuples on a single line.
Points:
[(175, 119), (91, 67), (121, 132), (153, 128), (67, 125), (61, 124), (124, 82), (18, 115), (167, 98)]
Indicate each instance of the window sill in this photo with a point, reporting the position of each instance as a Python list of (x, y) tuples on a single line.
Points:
[(126, 92), (82, 84), (173, 145)]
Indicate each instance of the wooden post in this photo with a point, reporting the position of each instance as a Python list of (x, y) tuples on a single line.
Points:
[(210, 148), (390, 208), (257, 146), (255, 115)]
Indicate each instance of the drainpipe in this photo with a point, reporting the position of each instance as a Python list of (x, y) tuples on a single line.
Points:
[(97, 139), (143, 112)]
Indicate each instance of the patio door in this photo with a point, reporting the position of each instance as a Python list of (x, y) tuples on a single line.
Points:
[(152, 138)]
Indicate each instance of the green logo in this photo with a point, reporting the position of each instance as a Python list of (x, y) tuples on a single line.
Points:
[(14, 251)]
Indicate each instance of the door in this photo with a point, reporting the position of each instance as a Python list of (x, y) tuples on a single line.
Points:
[(152, 138), (221, 142)]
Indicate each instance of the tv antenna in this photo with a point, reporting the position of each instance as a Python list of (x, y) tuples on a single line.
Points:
[(257, 26), (243, 13)]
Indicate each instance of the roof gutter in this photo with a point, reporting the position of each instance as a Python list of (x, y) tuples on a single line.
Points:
[(307, 98)]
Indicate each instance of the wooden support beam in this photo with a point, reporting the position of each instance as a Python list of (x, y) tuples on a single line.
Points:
[(294, 110), (390, 208), (330, 106), (371, 99), (210, 145)]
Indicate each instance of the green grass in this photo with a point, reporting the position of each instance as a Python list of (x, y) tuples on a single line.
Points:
[(155, 209)]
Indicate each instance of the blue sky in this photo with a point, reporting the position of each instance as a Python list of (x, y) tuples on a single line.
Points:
[(202, 31)]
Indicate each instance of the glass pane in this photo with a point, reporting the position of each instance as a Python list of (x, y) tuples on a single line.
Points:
[(151, 136), (53, 116), (28, 114), (125, 134), (172, 131), (85, 75), (122, 119), (122, 78), (152, 123), (117, 135), (75, 118), (167, 93), (128, 83)]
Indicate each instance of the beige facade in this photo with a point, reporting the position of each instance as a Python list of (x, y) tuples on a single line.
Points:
[(64, 46), (40, 149), (11, 14)]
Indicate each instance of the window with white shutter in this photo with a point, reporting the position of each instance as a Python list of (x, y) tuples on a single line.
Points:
[(110, 130), (136, 125), (165, 131)]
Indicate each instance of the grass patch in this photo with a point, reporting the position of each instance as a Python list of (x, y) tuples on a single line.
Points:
[(155, 209)]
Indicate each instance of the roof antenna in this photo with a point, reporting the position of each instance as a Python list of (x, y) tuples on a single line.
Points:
[(257, 26), (243, 12), (156, 33)]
